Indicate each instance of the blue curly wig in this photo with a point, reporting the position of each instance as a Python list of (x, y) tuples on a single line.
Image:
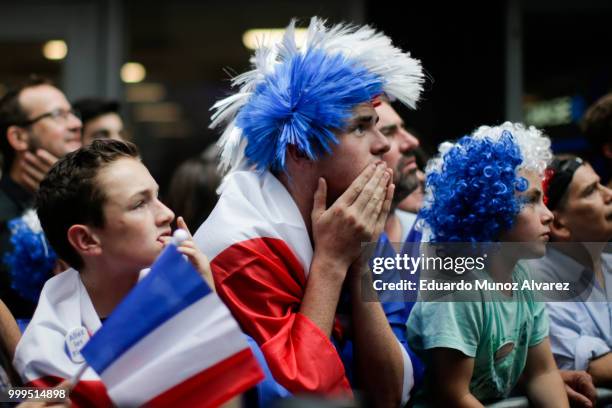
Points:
[(472, 195), (31, 261), (298, 105)]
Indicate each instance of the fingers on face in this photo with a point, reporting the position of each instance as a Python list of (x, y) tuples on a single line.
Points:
[(384, 210), (320, 198), (34, 170), (371, 190), (357, 186), (46, 157), (35, 162)]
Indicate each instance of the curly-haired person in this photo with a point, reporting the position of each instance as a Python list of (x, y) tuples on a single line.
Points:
[(488, 188)]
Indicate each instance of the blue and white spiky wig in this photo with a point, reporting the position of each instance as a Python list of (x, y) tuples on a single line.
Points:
[(471, 184), (298, 95)]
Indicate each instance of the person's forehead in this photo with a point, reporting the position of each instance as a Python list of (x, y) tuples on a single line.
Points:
[(387, 115), (364, 109), (40, 99), (106, 119), (583, 176), (123, 178)]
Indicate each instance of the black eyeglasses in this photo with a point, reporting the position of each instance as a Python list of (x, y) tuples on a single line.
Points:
[(58, 115)]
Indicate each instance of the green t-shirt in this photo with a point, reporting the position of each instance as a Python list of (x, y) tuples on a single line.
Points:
[(497, 334)]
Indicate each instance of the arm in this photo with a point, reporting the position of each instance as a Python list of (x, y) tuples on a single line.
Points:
[(580, 389), (322, 291), (451, 372), (338, 232), (378, 354), (600, 368), (577, 347), (544, 385), (9, 331)]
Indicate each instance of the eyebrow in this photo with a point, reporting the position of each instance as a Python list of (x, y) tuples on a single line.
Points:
[(364, 118), (535, 193), (588, 188), (145, 192), (389, 128)]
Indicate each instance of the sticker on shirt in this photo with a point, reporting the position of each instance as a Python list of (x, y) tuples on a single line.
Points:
[(76, 338), (503, 351)]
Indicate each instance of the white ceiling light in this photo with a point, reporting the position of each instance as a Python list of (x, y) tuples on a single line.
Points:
[(257, 37), (133, 72), (55, 50)]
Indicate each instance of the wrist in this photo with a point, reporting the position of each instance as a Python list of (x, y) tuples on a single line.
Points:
[(329, 266)]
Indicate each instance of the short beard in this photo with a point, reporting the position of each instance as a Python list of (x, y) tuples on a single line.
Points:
[(405, 182)]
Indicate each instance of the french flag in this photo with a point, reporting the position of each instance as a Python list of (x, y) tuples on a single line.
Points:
[(172, 342)]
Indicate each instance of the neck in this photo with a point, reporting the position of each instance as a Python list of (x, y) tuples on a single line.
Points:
[(500, 267), (302, 191), (106, 289)]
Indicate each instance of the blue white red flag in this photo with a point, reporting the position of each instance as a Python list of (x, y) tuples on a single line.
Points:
[(172, 342)]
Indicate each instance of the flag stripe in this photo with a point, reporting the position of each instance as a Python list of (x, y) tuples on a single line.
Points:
[(251, 206), (170, 287), (214, 386), (213, 335), (86, 394)]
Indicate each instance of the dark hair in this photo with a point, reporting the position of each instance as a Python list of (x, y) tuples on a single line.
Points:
[(558, 178), (192, 191), (12, 113), (91, 108), (597, 123), (70, 194)]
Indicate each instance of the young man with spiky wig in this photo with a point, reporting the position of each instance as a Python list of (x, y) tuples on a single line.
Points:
[(306, 187)]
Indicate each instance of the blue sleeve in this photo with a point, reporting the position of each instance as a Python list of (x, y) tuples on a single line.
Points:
[(397, 311), (397, 315)]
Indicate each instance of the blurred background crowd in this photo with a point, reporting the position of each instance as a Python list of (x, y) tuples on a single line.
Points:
[(541, 62)]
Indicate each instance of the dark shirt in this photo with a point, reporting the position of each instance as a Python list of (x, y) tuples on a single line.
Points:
[(14, 200)]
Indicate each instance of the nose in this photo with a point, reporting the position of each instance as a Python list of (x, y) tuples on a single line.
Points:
[(547, 216), (408, 141), (164, 214), (74, 123), (380, 144)]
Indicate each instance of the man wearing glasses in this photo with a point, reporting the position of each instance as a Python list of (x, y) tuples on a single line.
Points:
[(37, 126)]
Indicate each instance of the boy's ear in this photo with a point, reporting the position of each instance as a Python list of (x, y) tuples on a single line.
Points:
[(17, 138), (558, 228), (84, 240)]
